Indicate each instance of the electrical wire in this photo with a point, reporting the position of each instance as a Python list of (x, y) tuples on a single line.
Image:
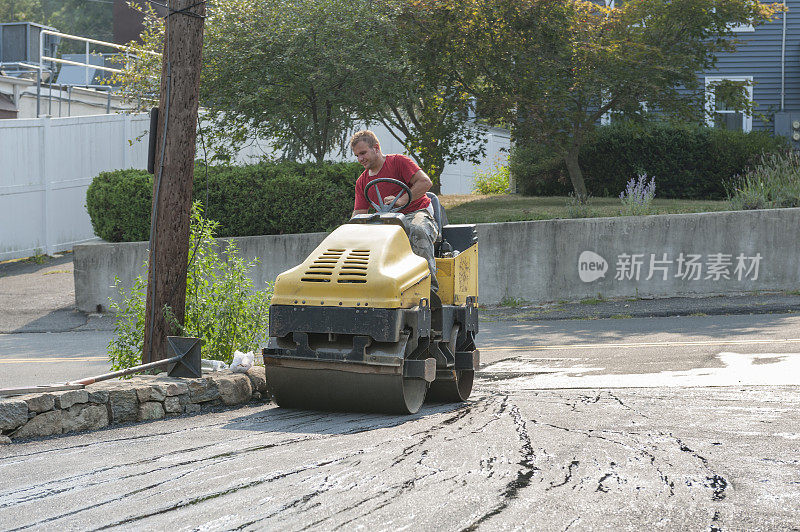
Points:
[(154, 215)]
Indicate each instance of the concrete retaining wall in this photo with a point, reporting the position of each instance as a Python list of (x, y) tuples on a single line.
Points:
[(650, 256), (96, 263), (647, 256)]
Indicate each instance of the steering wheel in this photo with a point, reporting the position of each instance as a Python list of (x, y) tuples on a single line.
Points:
[(391, 207)]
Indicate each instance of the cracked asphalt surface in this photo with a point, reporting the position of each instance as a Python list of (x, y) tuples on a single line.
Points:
[(669, 423), (671, 459)]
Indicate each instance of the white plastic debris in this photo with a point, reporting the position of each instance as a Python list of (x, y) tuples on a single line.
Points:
[(242, 361), (213, 365)]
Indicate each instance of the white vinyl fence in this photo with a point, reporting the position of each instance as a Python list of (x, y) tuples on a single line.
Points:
[(457, 178), (46, 165)]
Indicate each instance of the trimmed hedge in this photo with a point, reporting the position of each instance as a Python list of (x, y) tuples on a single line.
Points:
[(687, 161), (119, 204), (262, 199)]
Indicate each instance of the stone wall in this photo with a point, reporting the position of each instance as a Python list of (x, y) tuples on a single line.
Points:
[(141, 398)]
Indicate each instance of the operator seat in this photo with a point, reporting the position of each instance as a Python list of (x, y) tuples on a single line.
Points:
[(438, 213), (440, 245)]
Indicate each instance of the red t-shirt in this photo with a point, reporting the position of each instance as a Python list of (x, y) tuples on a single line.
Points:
[(397, 167)]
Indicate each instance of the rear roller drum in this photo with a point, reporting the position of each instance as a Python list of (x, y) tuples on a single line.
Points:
[(451, 386)]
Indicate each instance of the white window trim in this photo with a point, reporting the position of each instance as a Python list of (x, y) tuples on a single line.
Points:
[(743, 28), (747, 120)]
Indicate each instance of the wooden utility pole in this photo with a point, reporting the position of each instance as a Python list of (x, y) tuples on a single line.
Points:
[(172, 183)]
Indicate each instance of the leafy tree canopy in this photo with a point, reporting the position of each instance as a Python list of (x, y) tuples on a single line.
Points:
[(554, 67), (86, 18), (292, 71)]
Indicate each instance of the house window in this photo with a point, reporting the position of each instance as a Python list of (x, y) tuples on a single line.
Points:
[(726, 94)]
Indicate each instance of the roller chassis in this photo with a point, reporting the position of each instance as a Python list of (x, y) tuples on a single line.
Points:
[(415, 344), (368, 358)]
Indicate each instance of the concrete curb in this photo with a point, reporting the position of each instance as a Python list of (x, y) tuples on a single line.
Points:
[(771, 303), (142, 398)]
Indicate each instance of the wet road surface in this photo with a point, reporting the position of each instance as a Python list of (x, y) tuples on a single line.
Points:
[(667, 458), (672, 423)]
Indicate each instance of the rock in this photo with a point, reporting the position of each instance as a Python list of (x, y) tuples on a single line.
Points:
[(172, 405), (40, 402), (150, 410), (64, 400), (171, 385), (258, 379), (13, 413), (99, 397), (191, 408), (234, 389), (4, 439), (202, 390), (124, 405), (151, 393), (45, 424), (176, 388), (85, 417)]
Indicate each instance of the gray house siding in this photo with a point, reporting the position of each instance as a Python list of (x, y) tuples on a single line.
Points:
[(759, 55)]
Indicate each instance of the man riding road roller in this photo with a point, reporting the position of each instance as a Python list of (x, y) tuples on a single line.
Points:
[(419, 213), (362, 324)]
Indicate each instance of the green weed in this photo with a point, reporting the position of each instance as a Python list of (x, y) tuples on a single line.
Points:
[(223, 307)]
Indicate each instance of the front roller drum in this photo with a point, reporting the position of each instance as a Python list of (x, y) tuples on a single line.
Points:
[(349, 387)]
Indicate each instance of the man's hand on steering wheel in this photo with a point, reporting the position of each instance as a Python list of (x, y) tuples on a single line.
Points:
[(389, 199)]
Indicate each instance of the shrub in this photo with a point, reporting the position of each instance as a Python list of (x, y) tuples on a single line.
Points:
[(278, 198), (772, 183), (223, 307), (267, 198), (688, 161), (537, 171), (492, 181), (119, 204), (637, 198)]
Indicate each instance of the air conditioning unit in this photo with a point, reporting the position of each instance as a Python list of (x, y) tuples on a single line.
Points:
[(19, 43)]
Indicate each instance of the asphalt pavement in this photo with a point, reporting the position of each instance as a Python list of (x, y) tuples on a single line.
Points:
[(44, 339), (681, 422)]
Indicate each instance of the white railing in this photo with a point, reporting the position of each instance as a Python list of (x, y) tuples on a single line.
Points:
[(46, 165), (87, 66)]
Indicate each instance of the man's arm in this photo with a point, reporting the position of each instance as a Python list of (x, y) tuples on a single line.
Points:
[(419, 184)]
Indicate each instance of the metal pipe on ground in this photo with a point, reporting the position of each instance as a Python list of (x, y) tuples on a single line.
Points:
[(186, 364)]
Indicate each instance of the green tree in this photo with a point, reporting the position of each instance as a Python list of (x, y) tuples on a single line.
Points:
[(92, 18), (288, 71), (554, 67), (417, 97), (304, 73)]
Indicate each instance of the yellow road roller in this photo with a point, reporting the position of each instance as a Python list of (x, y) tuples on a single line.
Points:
[(356, 327)]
